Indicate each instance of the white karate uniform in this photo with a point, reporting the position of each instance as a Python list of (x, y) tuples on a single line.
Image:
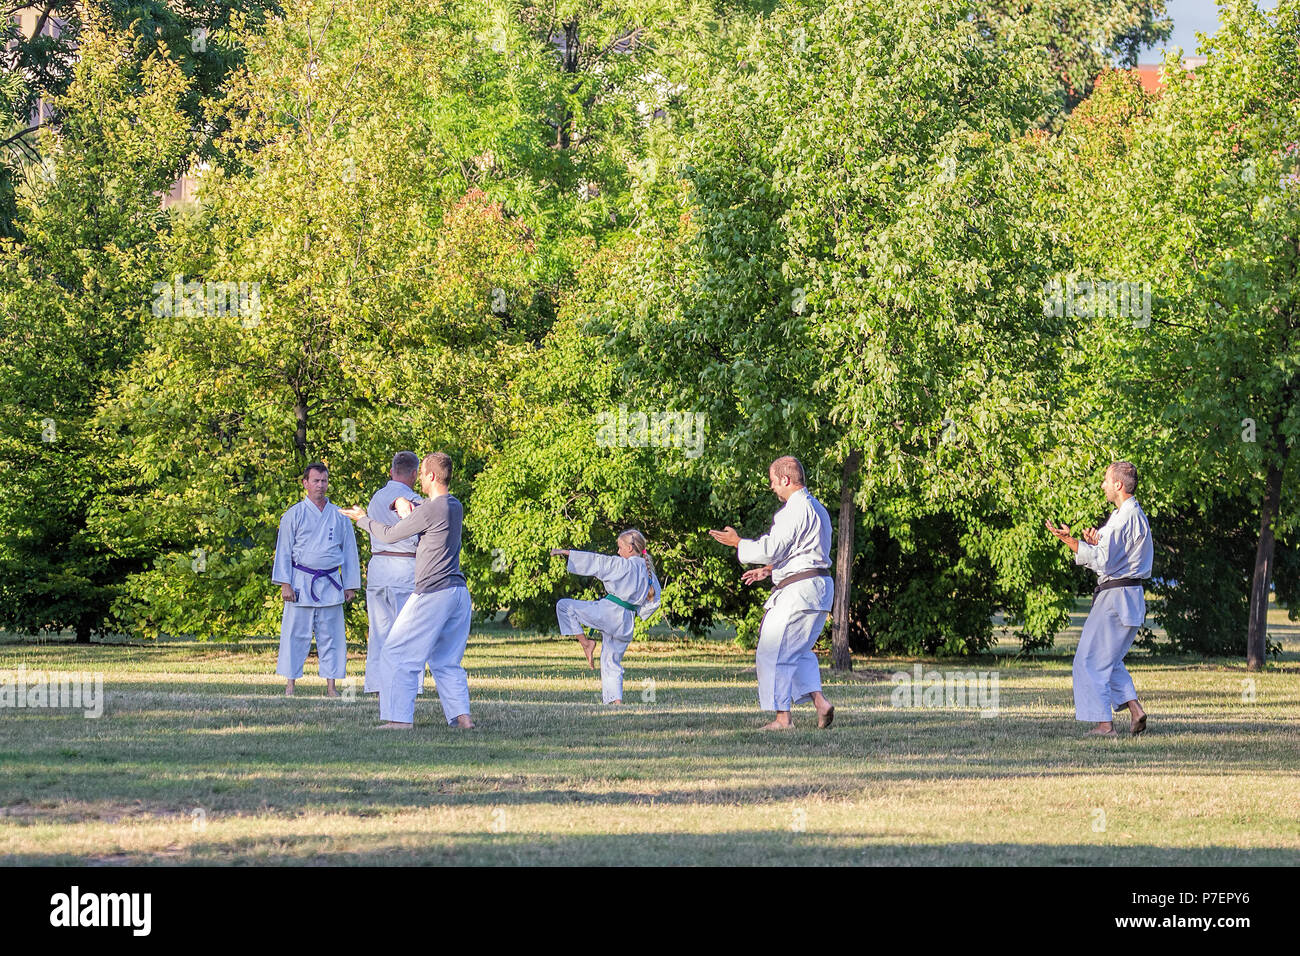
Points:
[(800, 540), (625, 578), (321, 539), (432, 627), (389, 580), (1124, 550)]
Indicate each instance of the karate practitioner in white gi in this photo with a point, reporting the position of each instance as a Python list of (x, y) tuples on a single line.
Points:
[(633, 588), (433, 624), (1121, 554), (796, 553), (390, 575), (317, 568)]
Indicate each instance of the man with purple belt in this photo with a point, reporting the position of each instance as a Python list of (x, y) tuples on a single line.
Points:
[(317, 568)]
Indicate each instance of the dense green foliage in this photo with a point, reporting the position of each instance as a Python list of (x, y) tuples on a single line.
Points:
[(518, 232)]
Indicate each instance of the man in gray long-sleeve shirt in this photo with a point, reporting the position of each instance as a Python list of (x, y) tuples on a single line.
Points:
[(434, 623)]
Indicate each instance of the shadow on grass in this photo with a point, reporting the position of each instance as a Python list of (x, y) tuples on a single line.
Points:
[(229, 742), (742, 847)]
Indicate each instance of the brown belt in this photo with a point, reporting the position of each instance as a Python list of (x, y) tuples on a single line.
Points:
[(804, 576), (393, 554)]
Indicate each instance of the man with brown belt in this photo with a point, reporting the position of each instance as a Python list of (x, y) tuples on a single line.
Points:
[(796, 553), (390, 575)]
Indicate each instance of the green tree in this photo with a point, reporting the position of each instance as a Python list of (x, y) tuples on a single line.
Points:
[(868, 237), (1195, 196), (72, 283), (1082, 38), (38, 69), (390, 309)]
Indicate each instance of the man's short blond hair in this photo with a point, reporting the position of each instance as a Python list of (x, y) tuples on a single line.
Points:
[(788, 467), (1126, 475), (439, 465)]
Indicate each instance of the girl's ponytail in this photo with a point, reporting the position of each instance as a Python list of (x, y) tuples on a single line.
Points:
[(639, 543)]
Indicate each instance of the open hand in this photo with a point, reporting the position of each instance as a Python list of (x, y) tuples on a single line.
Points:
[(1091, 535), (559, 552), (754, 575), (355, 512), (727, 536), (286, 593), (1063, 535)]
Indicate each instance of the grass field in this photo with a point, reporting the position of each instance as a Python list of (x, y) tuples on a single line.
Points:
[(199, 759)]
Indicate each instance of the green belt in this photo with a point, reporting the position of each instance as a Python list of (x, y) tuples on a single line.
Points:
[(621, 603)]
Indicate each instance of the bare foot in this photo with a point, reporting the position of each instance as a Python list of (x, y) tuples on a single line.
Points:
[(1104, 729), (331, 692), (613, 702), (464, 723), (825, 712), (1139, 718), (782, 722), (394, 725), (588, 648), (288, 689)]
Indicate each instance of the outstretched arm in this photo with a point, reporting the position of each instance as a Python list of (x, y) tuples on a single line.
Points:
[(772, 547), (420, 520), (594, 565)]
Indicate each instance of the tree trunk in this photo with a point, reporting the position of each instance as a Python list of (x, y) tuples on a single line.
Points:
[(300, 432), (841, 657), (83, 632), (1256, 643), (564, 134)]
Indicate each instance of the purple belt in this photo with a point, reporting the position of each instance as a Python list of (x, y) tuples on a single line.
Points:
[(317, 574)]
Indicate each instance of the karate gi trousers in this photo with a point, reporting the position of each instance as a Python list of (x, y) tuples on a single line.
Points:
[(615, 626), (383, 604), (297, 625), (1101, 682), (788, 672), (431, 628)]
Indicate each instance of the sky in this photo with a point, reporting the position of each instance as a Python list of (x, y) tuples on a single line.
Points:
[(1190, 17)]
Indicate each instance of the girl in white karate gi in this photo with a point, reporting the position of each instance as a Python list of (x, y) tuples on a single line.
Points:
[(629, 577)]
